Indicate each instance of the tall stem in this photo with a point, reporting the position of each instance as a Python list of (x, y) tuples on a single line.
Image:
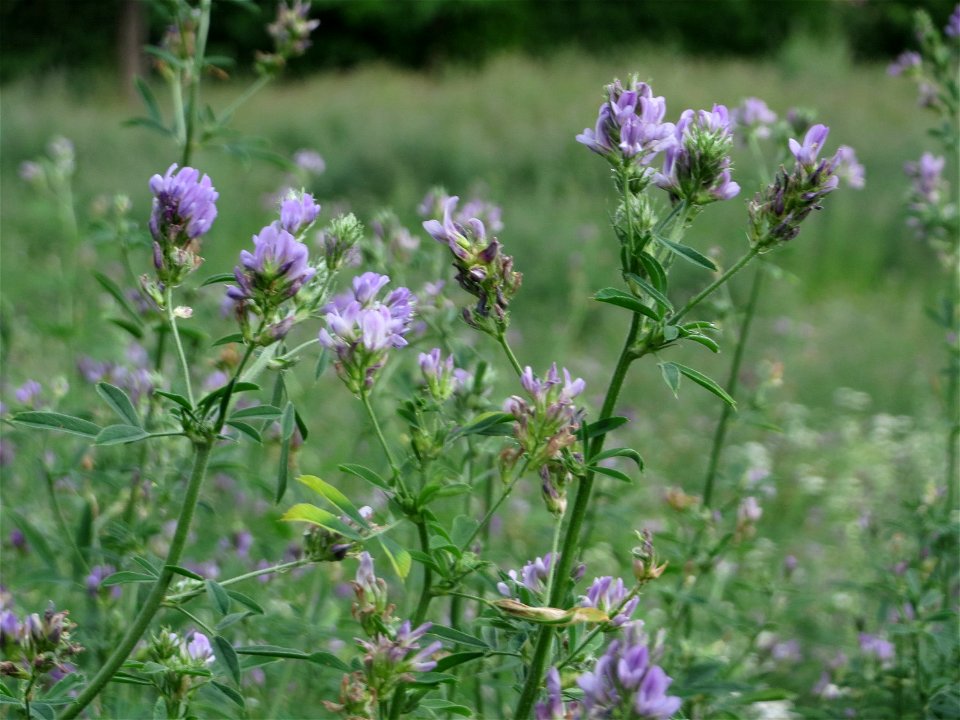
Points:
[(508, 351), (572, 536), (171, 318), (426, 592), (394, 469), (712, 287), (720, 433), (193, 109), (155, 598)]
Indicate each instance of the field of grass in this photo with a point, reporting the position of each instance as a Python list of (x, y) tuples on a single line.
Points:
[(851, 430)]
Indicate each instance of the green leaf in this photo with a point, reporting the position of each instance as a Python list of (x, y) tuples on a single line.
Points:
[(365, 473), (128, 679), (119, 434), (707, 342), (249, 430), (451, 661), (228, 656), (399, 557), (671, 376), (177, 570), (231, 619), (653, 268), (218, 596), (705, 382), (125, 577), (327, 660), (119, 402), (166, 56), (287, 423), (147, 123), (56, 421), (335, 498), (178, 399), (612, 296), (146, 565), (130, 327), (256, 412), (273, 651), (149, 100), (461, 638), (602, 427), (323, 360), (650, 290), (219, 278), (688, 253), (610, 472), (227, 339), (111, 287), (247, 601), (464, 527), (305, 512), (208, 400), (232, 694), (301, 426), (619, 452), (488, 423)]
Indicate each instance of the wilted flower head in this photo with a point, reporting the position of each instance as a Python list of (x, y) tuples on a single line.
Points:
[(696, 166), (626, 683), (184, 208), (482, 270), (547, 422), (777, 211), (753, 117), (630, 130), (361, 329)]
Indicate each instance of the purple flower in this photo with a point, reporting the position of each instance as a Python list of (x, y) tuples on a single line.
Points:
[(553, 708), (291, 30), (184, 205), (199, 650), (905, 62), (29, 393), (440, 375), (848, 168), (696, 166), (926, 176), (876, 646), (9, 627), (813, 141), (18, 540), (533, 576), (607, 594), (310, 161), (391, 659), (547, 424), (361, 329), (952, 28), (274, 272), (753, 116), (625, 683), (298, 211)]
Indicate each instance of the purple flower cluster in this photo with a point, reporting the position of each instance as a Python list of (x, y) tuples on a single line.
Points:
[(905, 63), (876, 647), (547, 422), (608, 594), (630, 129), (275, 271), (626, 683), (952, 28), (35, 645), (291, 30), (298, 211), (553, 708), (753, 117), (392, 658), (136, 379), (482, 270), (696, 165), (926, 174), (533, 576), (441, 377), (489, 214), (361, 329), (184, 208), (777, 211), (198, 650), (29, 393)]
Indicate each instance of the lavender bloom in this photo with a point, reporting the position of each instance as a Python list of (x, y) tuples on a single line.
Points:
[(696, 166), (361, 329), (274, 272), (625, 683), (753, 116), (630, 129), (9, 628), (482, 270), (389, 660), (926, 175), (309, 161), (18, 540), (952, 28), (198, 650), (291, 30), (553, 708), (813, 141), (29, 393), (876, 646), (533, 576), (441, 377), (905, 62), (298, 211), (848, 168), (545, 426), (184, 208), (96, 577), (607, 594)]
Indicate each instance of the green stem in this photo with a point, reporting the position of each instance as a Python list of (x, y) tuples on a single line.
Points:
[(171, 318), (426, 592), (493, 508), (394, 468), (252, 90), (193, 110), (62, 522), (712, 287), (502, 339), (572, 537), (279, 568), (720, 433), (554, 544), (155, 598)]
